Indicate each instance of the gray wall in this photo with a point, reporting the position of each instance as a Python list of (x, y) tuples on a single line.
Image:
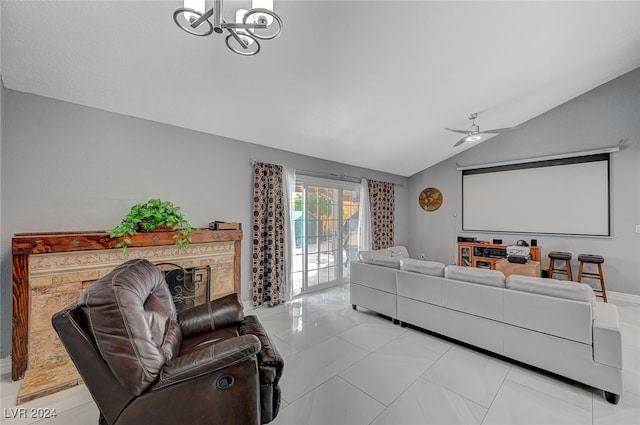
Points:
[(5, 305), (597, 119), (69, 167)]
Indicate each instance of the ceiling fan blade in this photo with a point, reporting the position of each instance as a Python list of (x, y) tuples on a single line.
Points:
[(502, 130), (461, 141), (457, 131)]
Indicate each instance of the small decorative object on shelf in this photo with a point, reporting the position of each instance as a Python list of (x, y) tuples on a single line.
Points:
[(222, 225), (154, 215)]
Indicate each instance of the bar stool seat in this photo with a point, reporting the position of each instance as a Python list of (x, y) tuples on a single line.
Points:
[(590, 258), (560, 256), (597, 260)]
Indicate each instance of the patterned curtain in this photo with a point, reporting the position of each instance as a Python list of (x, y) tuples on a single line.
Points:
[(382, 205), (268, 235)]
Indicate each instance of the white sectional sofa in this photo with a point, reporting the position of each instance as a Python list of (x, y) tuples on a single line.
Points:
[(554, 325)]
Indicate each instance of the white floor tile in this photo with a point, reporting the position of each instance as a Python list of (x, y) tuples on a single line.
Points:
[(283, 348), (568, 391), (427, 403), (631, 370), (308, 369), (310, 332), (334, 402), (518, 404), (371, 336), (630, 336), (60, 403), (626, 412), (470, 374), (87, 413)]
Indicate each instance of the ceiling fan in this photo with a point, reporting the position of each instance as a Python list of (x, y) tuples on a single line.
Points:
[(474, 134)]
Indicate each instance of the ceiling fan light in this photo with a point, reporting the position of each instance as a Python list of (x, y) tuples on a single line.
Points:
[(473, 138), (262, 17)]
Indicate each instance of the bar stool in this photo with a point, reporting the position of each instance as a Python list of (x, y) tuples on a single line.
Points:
[(597, 260), (560, 256)]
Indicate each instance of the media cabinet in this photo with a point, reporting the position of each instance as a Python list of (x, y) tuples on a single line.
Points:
[(485, 256)]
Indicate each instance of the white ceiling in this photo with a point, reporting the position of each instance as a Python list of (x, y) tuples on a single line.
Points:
[(368, 83)]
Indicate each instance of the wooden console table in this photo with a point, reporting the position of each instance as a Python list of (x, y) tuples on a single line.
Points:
[(531, 268), (474, 254), (51, 270)]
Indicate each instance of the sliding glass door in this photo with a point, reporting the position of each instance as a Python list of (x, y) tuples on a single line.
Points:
[(326, 232)]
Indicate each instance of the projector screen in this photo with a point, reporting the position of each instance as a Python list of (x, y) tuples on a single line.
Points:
[(567, 196)]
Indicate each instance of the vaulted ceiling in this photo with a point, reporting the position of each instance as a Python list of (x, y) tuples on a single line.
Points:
[(368, 83)]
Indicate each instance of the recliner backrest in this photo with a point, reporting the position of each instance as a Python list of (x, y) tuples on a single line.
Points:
[(132, 320)]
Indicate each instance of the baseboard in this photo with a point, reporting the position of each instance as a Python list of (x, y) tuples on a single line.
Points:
[(247, 305), (5, 365), (621, 296)]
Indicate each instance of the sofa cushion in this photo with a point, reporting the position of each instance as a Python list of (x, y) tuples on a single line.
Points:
[(398, 251), (475, 275), (381, 261), (552, 287), (431, 268), (388, 257)]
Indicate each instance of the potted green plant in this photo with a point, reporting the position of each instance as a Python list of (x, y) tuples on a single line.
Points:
[(156, 215)]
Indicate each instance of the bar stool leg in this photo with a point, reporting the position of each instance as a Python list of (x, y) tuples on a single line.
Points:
[(603, 290), (568, 267), (580, 271), (551, 266)]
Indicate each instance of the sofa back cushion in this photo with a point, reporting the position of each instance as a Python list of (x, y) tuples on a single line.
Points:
[(431, 268), (133, 321), (552, 288), (475, 275), (558, 311), (387, 257), (398, 251)]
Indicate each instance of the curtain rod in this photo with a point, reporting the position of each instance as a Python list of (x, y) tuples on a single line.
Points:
[(333, 176)]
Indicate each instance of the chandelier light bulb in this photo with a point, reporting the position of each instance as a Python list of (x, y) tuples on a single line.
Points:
[(197, 5), (239, 17), (262, 17)]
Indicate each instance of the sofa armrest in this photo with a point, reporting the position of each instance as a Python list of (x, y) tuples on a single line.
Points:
[(208, 359), (211, 316), (607, 337)]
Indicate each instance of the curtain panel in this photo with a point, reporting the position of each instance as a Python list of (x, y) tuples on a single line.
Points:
[(382, 205), (268, 272)]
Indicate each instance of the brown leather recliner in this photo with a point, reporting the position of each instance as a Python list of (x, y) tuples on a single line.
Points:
[(143, 363)]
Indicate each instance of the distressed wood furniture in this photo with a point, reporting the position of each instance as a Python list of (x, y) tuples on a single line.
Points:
[(51, 270)]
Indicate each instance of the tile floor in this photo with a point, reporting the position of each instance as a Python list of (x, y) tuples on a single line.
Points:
[(354, 367)]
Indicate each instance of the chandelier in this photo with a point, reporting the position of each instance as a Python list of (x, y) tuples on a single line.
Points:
[(258, 23)]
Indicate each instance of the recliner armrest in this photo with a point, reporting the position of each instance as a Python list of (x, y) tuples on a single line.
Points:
[(208, 359), (211, 316), (607, 336), (269, 355)]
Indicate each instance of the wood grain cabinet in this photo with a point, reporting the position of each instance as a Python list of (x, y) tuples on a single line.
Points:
[(485, 256)]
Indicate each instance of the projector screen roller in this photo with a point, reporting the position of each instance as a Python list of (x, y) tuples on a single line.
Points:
[(568, 196)]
